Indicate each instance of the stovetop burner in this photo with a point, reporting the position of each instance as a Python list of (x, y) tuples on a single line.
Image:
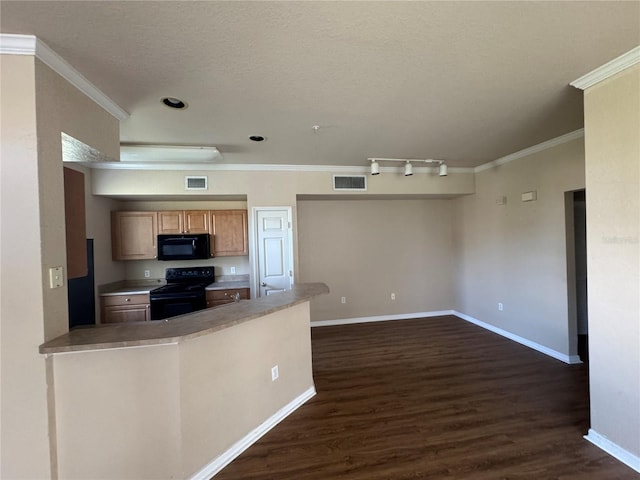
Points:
[(183, 293), (184, 281)]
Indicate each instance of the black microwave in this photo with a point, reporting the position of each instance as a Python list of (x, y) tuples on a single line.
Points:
[(183, 247)]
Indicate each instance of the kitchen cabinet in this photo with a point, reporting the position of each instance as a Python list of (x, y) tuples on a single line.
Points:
[(216, 298), (125, 308), (229, 233), (183, 221), (133, 235)]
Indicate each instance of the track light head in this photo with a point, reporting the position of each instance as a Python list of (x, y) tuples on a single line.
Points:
[(443, 169), (375, 168), (408, 170)]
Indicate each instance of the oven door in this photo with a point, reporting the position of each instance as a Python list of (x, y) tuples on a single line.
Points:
[(171, 305)]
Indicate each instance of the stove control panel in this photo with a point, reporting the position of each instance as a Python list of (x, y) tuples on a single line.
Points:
[(190, 274)]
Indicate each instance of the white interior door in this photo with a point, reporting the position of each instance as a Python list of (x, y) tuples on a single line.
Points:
[(275, 255)]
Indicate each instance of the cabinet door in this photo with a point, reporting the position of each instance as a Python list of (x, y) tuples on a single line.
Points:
[(170, 222), (229, 233), (133, 235), (127, 313), (221, 297), (196, 221)]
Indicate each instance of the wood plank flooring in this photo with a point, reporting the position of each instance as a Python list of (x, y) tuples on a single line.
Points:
[(427, 399)]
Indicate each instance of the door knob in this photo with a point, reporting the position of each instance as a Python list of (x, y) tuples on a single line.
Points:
[(263, 284)]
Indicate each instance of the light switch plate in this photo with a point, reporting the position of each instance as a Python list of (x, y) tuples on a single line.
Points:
[(56, 277)]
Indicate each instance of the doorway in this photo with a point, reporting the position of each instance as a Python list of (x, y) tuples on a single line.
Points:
[(274, 250), (576, 214)]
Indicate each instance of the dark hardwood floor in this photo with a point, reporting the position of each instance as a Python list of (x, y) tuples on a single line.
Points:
[(432, 398)]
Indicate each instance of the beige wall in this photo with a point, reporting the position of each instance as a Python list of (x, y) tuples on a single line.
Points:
[(25, 443), (268, 189), (40, 105), (612, 123), (167, 411), (367, 249), (515, 253)]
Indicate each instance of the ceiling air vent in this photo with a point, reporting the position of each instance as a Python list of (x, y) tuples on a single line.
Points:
[(353, 182), (195, 183)]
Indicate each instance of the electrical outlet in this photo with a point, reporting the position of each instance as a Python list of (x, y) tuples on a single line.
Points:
[(393, 296), (274, 373), (343, 300), (147, 274), (500, 307), (233, 270)]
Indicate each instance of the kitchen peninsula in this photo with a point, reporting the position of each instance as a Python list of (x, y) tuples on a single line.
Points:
[(182, 397)]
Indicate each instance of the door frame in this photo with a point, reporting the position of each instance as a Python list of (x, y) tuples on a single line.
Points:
[(255, 246)]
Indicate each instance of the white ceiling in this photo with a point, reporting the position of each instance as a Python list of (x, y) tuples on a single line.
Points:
[(466, 82)]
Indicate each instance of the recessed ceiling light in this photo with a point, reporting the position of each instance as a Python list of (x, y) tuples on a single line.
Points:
[(173, 102), (257, 138)]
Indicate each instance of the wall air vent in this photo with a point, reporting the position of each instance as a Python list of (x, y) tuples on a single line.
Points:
[(352, 182), (195, 183)]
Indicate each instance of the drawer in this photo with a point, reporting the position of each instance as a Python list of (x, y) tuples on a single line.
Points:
[(213, 295), (137, 299)]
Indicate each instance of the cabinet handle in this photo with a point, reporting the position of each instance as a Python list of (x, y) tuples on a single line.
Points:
[(127, 299)]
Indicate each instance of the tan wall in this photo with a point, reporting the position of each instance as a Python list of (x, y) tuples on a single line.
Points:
[(167, 411), (268, 189), (63, 108), (366, 250), (116, 412), (274, 188), (25, 443), (612, 123), (40, 105), (516, 253)]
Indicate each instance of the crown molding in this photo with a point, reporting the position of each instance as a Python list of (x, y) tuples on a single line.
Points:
[(11, 44), (222, 167), (624, 61), (554, 142)]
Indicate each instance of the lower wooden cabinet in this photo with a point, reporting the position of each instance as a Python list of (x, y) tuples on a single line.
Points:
[(125, 308), (216, 298)]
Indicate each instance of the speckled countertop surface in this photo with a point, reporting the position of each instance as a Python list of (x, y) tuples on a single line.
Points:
[(228, 285), (130, 287), (136, 287), (180, 328)]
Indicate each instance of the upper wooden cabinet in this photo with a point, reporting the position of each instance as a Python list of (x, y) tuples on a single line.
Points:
[(183, 221), (229, 235), (133, 235)]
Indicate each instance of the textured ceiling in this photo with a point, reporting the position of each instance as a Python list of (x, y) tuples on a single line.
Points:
[(467, 82)]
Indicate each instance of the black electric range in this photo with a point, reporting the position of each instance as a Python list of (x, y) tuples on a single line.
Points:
[(183, 293)]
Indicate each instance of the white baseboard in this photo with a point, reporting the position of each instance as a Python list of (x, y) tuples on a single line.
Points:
[(252, 437), (379, 318), (626, 457), (570, 359)]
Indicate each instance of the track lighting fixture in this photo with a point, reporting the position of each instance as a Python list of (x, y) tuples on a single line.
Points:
[(375, 167), (408, 167)]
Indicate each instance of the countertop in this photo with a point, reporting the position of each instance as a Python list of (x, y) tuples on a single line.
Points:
[(141, 287), (228, 285), (181, 328)]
